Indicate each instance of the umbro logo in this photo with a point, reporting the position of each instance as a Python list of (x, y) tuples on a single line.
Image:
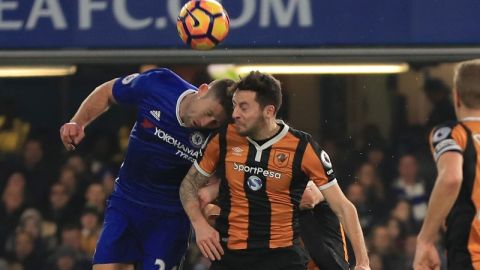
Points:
[(237, 151), (156, 114)]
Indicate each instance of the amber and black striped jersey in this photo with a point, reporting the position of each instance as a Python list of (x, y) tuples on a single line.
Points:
[(463, 224), (262, 185)]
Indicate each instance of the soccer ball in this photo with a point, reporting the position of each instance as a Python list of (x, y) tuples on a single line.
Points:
[(203, 24)]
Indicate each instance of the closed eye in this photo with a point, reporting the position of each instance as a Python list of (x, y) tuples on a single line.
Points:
[(243, 107)]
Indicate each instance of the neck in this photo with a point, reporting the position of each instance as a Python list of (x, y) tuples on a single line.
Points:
[(184, 104), (465, 112), (267, 131)]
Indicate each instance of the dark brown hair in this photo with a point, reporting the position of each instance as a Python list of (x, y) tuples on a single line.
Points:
[(222, 91), (268, 89)]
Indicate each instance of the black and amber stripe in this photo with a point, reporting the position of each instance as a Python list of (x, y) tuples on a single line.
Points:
[(296, 186), (260, 208)]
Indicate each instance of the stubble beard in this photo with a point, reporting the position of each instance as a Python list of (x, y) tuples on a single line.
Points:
[(253, 129)]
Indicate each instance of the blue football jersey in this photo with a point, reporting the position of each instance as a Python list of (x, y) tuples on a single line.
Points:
[(160, 149)]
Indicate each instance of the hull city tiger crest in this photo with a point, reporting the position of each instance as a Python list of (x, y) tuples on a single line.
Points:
[(281, 158)]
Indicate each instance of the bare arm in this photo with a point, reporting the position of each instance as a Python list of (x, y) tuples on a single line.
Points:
[(208, 239), (189, 188), (347, 214), (95, 104), (209, 193), (445, 192)]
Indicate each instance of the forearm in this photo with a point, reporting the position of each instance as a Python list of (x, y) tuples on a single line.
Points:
[(349, 218), (189, 188), (209, 193), (94, 105), (442, 199)]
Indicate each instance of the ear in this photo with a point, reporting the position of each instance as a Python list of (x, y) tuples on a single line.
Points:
[(202, 90), (269, 111), (456, 99)]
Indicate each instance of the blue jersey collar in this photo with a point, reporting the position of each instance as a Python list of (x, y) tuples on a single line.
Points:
[(179, 100)]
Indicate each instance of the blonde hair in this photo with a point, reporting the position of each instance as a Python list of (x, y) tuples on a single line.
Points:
[(466, 81)]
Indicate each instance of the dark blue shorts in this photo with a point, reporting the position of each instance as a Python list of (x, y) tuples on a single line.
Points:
[(141, 235)]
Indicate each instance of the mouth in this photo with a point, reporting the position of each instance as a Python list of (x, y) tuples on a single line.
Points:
[(238, 125)]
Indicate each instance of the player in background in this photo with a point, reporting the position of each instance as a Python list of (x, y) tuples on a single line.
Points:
[(455, 199), (145, 224), (264, 166), (322, 233)]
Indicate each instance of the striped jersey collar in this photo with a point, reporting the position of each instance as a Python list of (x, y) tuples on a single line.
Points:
[(274, 139), (471, 119)]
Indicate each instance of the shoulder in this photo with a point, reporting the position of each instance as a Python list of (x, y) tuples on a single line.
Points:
[(446, 137), (160, 73), (311, 147), (302, 135), (217, 133), (445, 131)]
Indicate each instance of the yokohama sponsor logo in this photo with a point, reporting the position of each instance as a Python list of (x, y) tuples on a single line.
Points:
[(173, 141), (256, 170)]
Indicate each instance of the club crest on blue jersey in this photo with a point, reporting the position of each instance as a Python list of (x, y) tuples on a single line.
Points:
[(197, 139)]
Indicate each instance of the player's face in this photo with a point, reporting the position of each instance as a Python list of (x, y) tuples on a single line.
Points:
[(247, 113), (205, 112)]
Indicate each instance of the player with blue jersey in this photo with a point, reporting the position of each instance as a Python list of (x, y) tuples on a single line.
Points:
[(145, 224)]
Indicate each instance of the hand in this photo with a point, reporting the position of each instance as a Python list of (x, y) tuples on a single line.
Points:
[(211, 212), (208, 241), (426, 256), (71, 134)]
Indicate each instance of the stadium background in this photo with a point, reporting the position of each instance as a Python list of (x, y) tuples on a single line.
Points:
[(374, 126)]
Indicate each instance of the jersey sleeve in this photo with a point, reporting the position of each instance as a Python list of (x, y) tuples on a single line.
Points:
[(129, 89), (448, 137), (206, 164), (316, 164)]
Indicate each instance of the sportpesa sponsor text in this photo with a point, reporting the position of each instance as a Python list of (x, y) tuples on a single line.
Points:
[(256, 170)]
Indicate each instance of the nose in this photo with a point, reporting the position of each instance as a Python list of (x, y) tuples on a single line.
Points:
[(235, 114)]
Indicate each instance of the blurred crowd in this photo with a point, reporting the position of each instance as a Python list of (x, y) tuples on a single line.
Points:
[(53, 202), (51, 211)]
